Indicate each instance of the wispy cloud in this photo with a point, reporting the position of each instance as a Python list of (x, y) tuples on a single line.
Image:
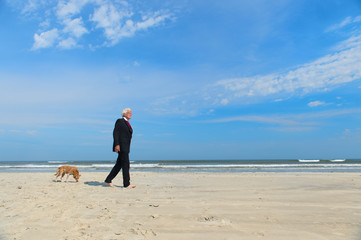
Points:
[(323, 74), (45, 39), (75, 27), (347, 21), (118, 23), (68, 43), (316, 103), (67, 22), (290, 121)]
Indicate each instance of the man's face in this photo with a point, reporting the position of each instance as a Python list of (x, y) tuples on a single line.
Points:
[(128, 115)]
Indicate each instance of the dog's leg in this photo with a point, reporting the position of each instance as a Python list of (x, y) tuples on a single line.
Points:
[(57, 175), (62, 175), (67, 177)]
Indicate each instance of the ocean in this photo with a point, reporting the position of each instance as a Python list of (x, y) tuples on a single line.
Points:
[(284, 165)]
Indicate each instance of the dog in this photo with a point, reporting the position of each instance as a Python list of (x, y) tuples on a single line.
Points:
[(69, 170)]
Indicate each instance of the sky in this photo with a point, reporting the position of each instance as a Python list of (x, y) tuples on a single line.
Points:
[(208, 80)]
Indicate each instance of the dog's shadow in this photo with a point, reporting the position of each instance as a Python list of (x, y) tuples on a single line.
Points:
[(99, 184), (70, 181)]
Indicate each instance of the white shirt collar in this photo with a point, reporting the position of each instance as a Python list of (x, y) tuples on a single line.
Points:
[(126, 119)]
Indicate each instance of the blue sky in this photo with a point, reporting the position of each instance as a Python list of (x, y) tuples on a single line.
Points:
[(226, 79)]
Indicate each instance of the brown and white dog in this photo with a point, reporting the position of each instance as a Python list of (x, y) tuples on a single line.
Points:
[(69, 170)]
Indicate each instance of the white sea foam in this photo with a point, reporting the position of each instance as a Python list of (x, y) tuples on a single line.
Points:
[(145, 165), (101, 165), (259, 166), (309, 160), (338, 160), (32, 166)]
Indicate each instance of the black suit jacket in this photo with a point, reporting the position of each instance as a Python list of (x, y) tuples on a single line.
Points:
[(122, 135)]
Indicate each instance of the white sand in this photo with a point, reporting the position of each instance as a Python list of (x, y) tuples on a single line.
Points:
[(171, 206)]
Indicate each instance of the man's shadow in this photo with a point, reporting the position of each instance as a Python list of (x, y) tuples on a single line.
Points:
[(99, 184), (95, 184)]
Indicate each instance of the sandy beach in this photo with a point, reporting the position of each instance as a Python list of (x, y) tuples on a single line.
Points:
[(180, 205)]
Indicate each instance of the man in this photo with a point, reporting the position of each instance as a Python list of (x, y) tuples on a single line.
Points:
[(122, 136)]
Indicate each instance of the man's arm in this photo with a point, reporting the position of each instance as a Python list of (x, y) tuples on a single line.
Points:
[(116, 135)]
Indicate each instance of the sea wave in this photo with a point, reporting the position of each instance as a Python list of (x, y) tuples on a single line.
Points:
[(259, 166), (238, 165)]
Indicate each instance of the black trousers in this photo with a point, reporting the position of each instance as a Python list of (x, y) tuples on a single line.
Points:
[(122, 163)]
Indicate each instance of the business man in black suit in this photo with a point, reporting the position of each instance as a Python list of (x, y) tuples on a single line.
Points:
[(122, 136)]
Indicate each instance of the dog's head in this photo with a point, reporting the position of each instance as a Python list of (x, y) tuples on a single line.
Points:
[(76, 175)]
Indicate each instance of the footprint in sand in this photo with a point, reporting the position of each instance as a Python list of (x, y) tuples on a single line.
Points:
[(215, 220), (144, 232)]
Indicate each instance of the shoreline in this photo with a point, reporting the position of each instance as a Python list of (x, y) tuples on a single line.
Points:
[(183, 205), (207, 166)]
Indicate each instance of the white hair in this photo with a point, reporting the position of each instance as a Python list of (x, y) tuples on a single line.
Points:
[(125, 110)]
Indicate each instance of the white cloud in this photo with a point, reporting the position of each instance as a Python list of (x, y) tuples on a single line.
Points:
[(316, 103), (117, 23), (45, 39), (352, 42), (320, 75), (75, 18), (153, 19), (109, 18), (68, 43), (347, 21), (75, 27), (67, 9)]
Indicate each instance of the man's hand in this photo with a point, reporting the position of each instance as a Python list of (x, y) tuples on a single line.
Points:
[(117, 148)]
